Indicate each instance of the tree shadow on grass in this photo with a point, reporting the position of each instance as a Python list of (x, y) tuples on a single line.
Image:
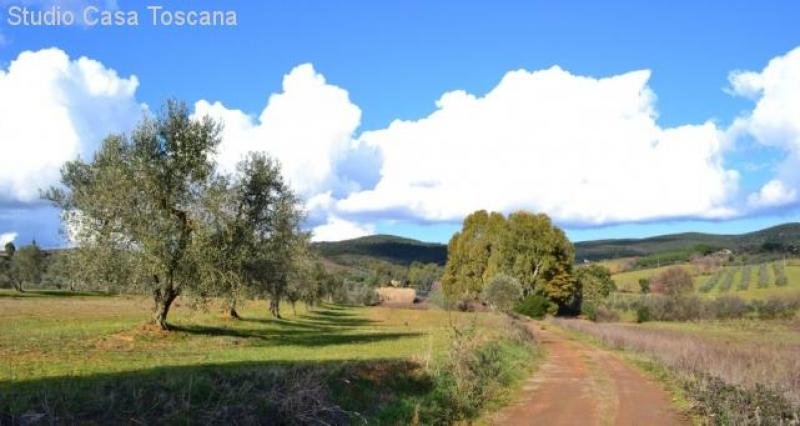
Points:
[(293, 337), (51, 293), (272, 392)]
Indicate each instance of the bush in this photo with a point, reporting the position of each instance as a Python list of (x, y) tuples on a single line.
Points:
[(644, 285), (744, 282), (689, 308), (728, 307), (780, 275), (673, 281), (535, 306), (776, 307), (763, 276), (642, 313), (474, 373), (502, 292), (727, 281), (355, 293)]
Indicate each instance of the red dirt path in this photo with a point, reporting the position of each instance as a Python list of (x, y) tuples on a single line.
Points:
[(580, 384)]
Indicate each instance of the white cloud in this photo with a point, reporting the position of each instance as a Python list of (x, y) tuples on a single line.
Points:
[(773, 194), (7, 237), (337, 229), (775, 119), (308, 127), (52, 110), (584, 150)]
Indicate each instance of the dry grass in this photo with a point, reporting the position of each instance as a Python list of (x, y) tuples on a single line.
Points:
[(747, 363)]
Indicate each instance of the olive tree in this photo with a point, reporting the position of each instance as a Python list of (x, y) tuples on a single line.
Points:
[(502, 292), (143, 195)]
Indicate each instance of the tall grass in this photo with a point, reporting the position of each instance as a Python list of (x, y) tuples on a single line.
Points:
[(732, 383)]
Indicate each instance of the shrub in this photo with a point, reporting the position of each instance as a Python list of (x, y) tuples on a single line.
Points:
[(605, 314), (744, 282), (780, 274), (642, 313), (673, 281), (535, 306), (728, 307), (727, 281), (644, 285), (502, 292), (355, 293), (776, 307), (763, 276), (474, 372)]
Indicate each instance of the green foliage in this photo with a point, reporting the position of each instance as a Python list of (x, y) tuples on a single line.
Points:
[(744, 281), (468, 254), (763, 276), (728, 279), (151, 212), (502, 292), (596, 285), (535, 306), (781, 280), (26, 265), (424, 275), (644, 285), (474, 373), (656, 307), (525, 246)]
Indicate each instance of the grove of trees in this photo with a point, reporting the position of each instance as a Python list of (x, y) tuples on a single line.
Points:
[(152, 212)]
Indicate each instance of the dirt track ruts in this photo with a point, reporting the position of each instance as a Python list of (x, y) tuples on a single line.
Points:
[(581, 384)]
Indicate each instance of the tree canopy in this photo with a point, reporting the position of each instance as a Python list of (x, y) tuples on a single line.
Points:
[(524, 245), (155, 205)]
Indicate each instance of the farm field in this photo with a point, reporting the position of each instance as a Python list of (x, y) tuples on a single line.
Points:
[(90, 353), (726, 281)]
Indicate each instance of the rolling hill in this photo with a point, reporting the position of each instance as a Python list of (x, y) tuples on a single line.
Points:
[(784, 237), (388, 248), (403, 251)]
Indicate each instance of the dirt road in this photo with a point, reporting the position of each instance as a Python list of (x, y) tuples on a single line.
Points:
[(580, 384)]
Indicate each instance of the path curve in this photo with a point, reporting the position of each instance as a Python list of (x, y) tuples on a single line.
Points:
[(581, 384)]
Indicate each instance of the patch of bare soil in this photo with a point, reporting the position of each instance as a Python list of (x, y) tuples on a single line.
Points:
[(580, 384)]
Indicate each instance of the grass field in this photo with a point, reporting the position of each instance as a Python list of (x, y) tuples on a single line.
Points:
[(91, 353)]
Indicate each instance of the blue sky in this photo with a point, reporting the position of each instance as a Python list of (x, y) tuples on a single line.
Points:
[(396, 59)]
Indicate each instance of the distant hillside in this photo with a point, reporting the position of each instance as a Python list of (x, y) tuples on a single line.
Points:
[(778, 238), (389, 248)]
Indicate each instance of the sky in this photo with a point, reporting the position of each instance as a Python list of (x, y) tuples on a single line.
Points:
[(617, 119)]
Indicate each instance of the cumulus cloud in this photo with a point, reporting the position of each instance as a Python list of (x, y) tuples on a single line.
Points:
[(585, 150), (773, 194), (337, 229), (775, 118), (53, 109), (308, 127), (7, 237)]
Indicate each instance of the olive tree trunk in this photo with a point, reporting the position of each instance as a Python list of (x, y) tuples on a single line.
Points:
[(274, 307), (163, 298)]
